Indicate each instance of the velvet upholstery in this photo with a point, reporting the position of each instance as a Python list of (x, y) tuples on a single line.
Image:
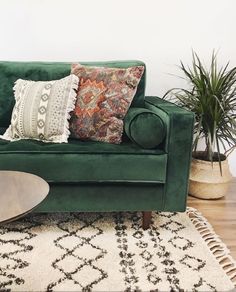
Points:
[(179, 148), (95, 176), (2, 130), (144, 127), (89, 167), (45, 71), (74, 146), (103, 197)]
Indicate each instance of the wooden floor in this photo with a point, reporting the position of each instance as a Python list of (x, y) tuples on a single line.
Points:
[(221, 214)]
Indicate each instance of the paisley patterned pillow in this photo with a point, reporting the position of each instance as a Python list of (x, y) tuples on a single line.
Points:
[(104, 97), (42, 110)]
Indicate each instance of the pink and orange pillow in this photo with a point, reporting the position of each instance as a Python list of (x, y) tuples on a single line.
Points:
[(103, 99)]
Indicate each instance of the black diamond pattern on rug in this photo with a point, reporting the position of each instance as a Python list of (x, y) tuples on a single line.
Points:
[(193, 263), (181, 242), (74, 248), (12, 248), (102, 251), (172, 226)]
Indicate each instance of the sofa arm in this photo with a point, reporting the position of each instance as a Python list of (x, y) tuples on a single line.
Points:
[(178, 145)]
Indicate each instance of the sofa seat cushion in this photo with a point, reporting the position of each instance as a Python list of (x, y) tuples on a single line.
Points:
[(80, 161)]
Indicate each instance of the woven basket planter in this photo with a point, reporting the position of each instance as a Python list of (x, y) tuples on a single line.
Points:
[(205, 180)]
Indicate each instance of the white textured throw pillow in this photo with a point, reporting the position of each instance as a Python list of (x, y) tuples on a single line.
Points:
[(42, 110)]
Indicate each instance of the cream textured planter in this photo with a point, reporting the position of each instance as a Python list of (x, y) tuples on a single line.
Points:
[(206, 181)]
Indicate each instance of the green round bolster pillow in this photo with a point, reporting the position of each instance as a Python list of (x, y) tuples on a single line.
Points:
[(144, 127)]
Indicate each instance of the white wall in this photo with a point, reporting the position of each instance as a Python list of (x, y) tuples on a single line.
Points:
[(159, 32)]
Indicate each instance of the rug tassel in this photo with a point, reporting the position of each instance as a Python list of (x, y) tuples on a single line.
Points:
[(233, 276), (231, 269), (217, 247)]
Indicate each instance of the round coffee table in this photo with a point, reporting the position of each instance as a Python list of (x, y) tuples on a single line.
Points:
[(20, 193)]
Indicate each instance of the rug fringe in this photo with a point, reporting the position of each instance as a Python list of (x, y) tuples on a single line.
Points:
[(217, 247)]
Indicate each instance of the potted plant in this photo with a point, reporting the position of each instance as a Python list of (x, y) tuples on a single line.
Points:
[(212, 97)]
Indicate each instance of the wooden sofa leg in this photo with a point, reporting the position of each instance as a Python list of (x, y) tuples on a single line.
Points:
[(147, 215)]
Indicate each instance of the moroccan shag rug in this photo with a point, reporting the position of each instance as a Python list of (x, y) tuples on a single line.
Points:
[(110, 252)]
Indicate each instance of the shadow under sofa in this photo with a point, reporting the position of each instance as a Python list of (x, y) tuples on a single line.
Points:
[(96, 176)]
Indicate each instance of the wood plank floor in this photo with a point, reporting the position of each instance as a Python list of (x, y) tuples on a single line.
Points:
[(221, 214)]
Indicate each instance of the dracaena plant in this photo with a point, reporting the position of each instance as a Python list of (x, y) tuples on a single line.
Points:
[(212, 97)]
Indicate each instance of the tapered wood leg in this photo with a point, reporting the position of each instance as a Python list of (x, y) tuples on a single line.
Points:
[(147, 216)]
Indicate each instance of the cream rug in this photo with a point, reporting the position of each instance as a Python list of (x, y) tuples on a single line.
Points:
[(110, 252)]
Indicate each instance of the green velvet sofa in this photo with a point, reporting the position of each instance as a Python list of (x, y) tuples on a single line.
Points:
[(95, 176)]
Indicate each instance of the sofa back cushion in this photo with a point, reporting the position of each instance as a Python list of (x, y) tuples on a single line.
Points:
[(45, 71)]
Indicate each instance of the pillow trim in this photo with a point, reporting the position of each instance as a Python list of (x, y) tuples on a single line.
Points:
[(70, 107)]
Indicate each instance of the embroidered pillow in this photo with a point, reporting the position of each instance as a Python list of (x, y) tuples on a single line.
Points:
[(42, 110), (104, 97)]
